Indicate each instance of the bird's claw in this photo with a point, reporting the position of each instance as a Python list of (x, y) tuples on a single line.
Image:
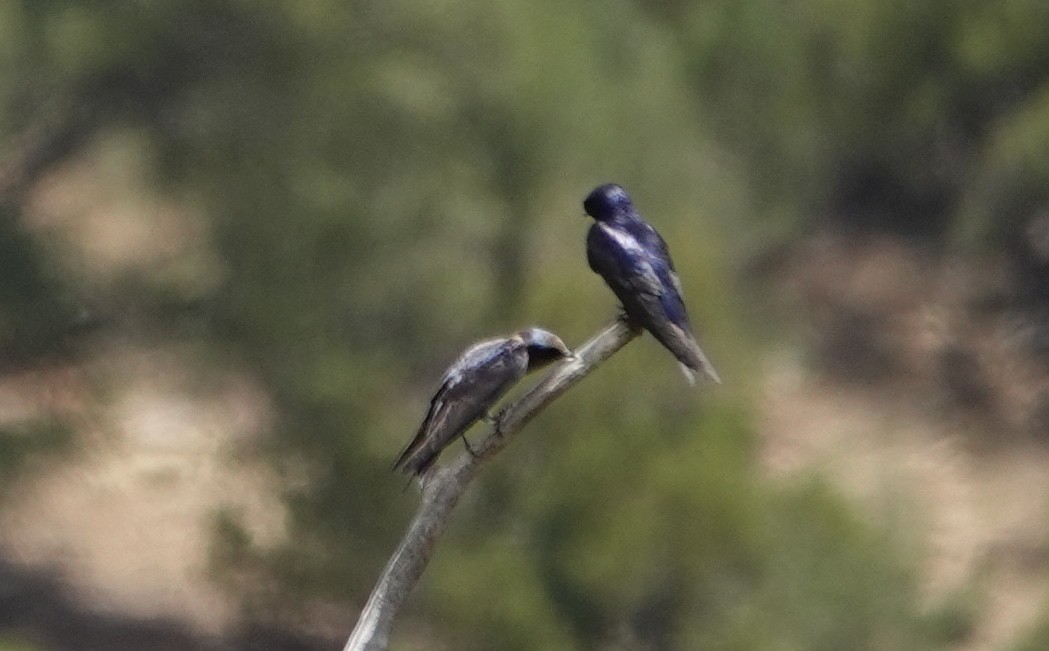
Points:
[(625, 319)]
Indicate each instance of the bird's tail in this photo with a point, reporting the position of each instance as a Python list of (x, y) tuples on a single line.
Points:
[(690, 375), (705, 367)]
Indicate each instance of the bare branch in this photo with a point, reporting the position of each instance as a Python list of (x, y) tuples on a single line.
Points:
[(442, 489)]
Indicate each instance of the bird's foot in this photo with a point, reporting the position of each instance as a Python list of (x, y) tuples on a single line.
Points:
[(625, 319)]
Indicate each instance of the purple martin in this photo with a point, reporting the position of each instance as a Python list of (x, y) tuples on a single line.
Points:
[(472, 385), (635, 263)]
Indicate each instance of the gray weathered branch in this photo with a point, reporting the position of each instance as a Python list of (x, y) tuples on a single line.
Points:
[(442, 490)]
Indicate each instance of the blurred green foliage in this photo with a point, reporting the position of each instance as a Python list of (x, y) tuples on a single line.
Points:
[(384, 182), (19, 446), (14, 644), (883, 115), (1037, 638), (34, 317)]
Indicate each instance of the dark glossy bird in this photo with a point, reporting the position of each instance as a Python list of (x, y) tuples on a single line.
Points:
[(472, 385), (635, 263)]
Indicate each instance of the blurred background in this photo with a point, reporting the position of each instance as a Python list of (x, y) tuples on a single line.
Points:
[(241, 240)]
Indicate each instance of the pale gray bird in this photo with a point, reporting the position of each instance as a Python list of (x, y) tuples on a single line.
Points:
[(472, 385)]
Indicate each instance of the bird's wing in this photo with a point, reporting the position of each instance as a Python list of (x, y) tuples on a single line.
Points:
[(664, 254), (470, 387), (649, 237), (642, 278), (657, 251)]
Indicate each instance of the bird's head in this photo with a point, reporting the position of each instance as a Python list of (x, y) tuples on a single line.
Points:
[(606, 201), (544, 347)]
